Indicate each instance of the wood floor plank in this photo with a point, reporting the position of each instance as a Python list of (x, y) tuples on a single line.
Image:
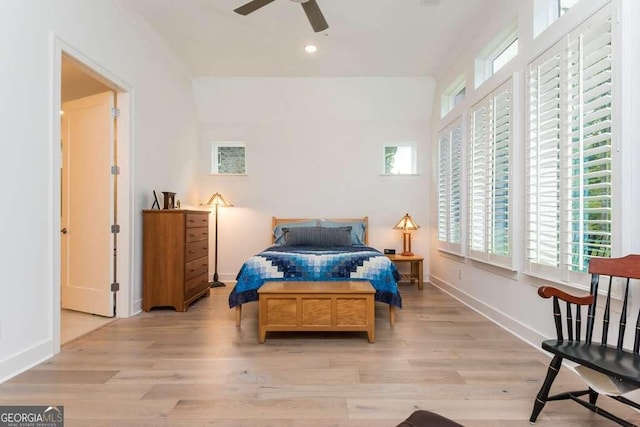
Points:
[(164, 368), (300, 409), (70, 376)]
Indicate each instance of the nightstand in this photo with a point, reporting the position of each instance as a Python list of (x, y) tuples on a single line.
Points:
[(416, 267)]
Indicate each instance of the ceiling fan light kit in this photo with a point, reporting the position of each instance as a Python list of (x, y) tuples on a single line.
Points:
[(310, 7)]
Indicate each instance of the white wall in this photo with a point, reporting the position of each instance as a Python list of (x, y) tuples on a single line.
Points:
[(163, 156), (314, 149), (510, 298)]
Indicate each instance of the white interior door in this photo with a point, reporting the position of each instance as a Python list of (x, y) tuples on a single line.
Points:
[(87, 204)]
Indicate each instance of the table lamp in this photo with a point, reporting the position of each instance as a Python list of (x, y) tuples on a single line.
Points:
[(407, 225)]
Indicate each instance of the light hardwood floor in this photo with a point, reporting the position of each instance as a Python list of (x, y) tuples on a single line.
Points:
[(74, 324), (196, 368)]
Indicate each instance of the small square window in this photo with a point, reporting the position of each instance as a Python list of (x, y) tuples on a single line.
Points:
[(400, 159), (228, 158)]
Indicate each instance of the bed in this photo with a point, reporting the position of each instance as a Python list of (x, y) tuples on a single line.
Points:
[(309, 258)]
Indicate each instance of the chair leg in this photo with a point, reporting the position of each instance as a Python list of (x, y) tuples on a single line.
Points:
[(593, 396), (543, 394)]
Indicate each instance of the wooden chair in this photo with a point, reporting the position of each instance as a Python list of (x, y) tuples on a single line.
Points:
[(608, 369)]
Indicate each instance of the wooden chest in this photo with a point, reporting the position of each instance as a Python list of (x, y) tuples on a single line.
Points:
[(316, 306)]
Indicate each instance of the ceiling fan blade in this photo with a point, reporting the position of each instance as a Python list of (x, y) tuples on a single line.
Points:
[(316, 19), (252, 6)]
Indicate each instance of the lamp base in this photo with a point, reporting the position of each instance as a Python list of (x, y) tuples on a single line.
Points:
[(407, 254), (216, 284)]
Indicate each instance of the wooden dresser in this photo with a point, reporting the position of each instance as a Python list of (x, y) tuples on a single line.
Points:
[(175, 250)]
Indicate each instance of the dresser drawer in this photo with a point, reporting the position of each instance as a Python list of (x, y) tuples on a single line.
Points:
[(196, 250), (197, 220), (196, 267), (197, 234), (195, 285)]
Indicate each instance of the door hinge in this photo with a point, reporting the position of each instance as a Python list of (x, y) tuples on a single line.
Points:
[(115, 112), (115, 228), (115, 170), (115, 287)]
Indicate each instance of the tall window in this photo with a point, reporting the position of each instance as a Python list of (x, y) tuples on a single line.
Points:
[(450, 188), (568, 207), (489, 235)]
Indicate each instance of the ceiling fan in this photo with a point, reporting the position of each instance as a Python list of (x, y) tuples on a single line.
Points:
[(311, 8)]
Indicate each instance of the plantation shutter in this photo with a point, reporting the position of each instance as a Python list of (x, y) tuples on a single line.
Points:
[(450, 187), (543, 163), (568, 189), (444, 172), (500, 176), (587, 156), (455, 203), (489, 169), (478, 158)]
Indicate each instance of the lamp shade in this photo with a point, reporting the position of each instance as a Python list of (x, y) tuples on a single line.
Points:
[(218, 199), (406, 223)]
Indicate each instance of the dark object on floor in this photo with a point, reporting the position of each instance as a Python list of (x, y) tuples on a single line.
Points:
[(421, 418), (611, 369)]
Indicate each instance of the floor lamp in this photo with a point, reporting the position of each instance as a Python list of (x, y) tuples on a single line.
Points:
[(217, 200), (407, 225)]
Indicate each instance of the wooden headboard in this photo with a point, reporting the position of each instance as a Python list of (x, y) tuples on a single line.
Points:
[(275, 221)]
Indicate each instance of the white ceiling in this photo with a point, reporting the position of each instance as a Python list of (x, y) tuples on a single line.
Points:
[(365, 37)]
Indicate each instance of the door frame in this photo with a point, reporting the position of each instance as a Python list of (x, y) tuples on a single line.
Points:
[(124, 193)]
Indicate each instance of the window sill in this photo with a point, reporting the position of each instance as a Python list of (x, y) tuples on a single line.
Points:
[(451, 253), (500, 269), (228, 174), (572, 286), (399, 174)]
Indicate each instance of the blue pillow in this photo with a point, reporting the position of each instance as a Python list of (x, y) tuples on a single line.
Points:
[(279, 234), (317, 236), (357, 229)]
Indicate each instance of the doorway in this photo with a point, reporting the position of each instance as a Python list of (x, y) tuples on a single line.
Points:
[(88, 215)]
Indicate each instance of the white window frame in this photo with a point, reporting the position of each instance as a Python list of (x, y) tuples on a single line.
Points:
[(448, 97), (562, 272), (215, 146), (547, 12), (484, 63), (486, 136), (451, 183), (414, 158)]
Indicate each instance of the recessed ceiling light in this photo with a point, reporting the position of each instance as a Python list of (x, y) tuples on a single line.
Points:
[(310, 48)]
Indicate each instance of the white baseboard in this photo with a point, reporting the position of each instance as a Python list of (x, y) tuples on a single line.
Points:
[(224, 277), (501, 319), (27, 359), (137, 307)]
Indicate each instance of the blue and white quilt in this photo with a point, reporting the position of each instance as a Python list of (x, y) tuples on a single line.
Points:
[(302, 263)]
